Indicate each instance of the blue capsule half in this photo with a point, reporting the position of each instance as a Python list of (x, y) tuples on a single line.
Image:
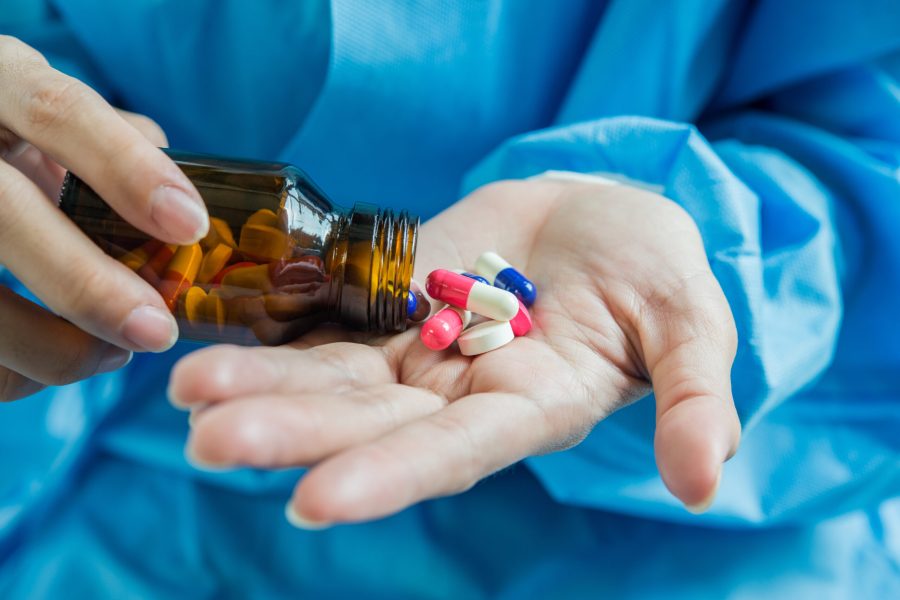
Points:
[(476, 278), (513, 281), (412, 303)]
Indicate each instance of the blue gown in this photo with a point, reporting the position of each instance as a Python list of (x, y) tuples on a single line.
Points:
[(775, 123)]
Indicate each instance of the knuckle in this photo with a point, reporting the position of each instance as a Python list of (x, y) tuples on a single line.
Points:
[(86, 288), (51, 101)]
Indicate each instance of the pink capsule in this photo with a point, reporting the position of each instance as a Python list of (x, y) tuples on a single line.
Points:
[(466, 293), (442, 329), (521, 323)]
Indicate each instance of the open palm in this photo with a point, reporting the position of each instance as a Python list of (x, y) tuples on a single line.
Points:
[(625, 298)]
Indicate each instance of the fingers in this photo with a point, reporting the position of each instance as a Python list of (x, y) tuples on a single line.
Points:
[(223, 372), (39, 168), (689, 343), (73, 276), (38, 348), (146, 126), (79, 130), (282, 431), (441, 454), (14, 386)]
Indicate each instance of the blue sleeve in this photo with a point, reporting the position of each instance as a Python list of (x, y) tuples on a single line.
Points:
[(792, 178)]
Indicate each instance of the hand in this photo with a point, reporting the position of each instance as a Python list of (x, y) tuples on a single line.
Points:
[(625, 298), (48, 123)]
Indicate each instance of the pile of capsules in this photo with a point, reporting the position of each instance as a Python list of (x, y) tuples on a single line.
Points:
[(495, 291), (217, 279)]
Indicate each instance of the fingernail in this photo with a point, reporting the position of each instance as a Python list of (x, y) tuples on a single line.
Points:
[(294, 518), (703, 505), (151, 329), (195, 414), (198, 463), (174, 400), (179, 214), (113, 358)]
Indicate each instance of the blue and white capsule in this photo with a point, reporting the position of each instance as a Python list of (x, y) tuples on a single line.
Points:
[(475, 277), (501, 274)]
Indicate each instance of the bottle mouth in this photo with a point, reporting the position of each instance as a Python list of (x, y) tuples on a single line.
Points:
[(379, 268)]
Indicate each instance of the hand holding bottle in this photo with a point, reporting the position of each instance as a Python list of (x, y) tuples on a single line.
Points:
[(627, 304), (50, 122)]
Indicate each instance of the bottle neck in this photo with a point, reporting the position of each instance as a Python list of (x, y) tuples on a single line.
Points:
[(373, 261)]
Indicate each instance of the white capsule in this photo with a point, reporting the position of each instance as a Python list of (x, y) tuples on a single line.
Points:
[(484, 300), (489, 264), (485, 337)]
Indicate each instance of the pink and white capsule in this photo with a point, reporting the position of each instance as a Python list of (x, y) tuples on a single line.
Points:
[(521, 323), (466, 293), (442, 329)]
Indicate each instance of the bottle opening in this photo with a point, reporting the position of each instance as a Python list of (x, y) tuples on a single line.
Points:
[(381, 248)]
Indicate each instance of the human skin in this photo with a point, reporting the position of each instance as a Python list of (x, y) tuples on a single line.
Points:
[(99, 311), (626, 300), (626, 304)]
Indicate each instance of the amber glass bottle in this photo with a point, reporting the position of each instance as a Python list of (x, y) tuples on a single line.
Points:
[(279, 258)]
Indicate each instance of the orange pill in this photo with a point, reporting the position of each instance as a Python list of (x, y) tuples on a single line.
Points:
[(193, 299), (255, 278), (214, 261), (264, 243), (263, 216), (137, 258), (218, 278), (212, 310), (219, 233), (156, 266), (180, 274)]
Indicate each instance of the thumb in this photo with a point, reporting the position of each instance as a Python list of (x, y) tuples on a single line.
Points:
[(689, 349)]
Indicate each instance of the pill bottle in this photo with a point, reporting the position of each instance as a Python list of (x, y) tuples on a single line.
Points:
[(279, 259)]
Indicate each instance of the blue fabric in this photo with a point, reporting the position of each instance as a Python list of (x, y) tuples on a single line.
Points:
[(776, 124)]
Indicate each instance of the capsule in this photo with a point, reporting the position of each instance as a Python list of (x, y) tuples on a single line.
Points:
[(219, 233), (263, 216), (495, 269), (264, 243), (521, 324), (212, 310), (154, 268), (249, 279), (180, 274), (462, 292), (423, 306), (475, 277), (217, 280), (412, 303), (137, 258), (444, 327), (192, 301), (214, 261)]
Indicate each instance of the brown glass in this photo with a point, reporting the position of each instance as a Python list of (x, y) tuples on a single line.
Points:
[(351, 267)]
